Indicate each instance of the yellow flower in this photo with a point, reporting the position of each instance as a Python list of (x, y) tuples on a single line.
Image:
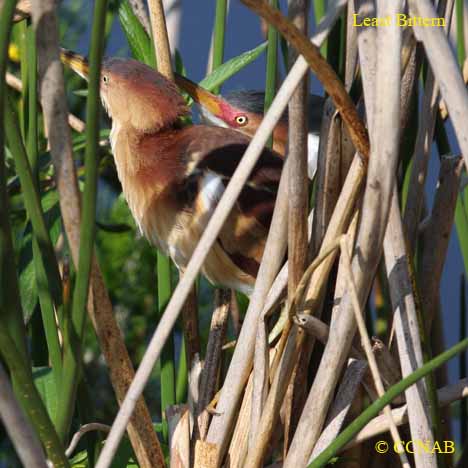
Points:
[(13, 52)]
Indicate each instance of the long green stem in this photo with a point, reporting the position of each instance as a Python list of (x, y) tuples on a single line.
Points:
[(10, 307), (44, 293), (32, 201), (375, 408), (271, 68), (32, 134), (87, 231), (182, 375), (31, 401), (462, 360), (47, 273), (319, 12), (459, 6), (168, 391), (219, 35)]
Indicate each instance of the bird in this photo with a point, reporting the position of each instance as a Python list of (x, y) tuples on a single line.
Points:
[(173, 175), (242, 110)]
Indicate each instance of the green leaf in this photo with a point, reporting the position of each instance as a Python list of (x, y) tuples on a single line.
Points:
[(27, 272), (231, 67), (45, 384), (81, 92), (80, 460), (139, 42)]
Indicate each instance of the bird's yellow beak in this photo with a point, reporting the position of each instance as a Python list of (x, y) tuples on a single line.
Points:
[(201, 96), (76, 62)]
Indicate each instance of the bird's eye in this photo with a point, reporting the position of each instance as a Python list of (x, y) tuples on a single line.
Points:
[(241, 120), (105, 79)]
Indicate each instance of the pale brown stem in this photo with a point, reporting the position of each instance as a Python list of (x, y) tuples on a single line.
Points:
[(407, 329), (376, 203), (298, 208), (349, 386), (209, 375), (446, 70), (18, 427), (160, 38), (436, 236), (365, 341)]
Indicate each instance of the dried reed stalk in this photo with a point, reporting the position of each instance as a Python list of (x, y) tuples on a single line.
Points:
[(425, 135), (178, 419), (18, 427), (298, 195), (160, 38), (446, 71), (407, 329), (352, 377), (271, 263), (365, 341), (376, 203), (242, 358), (436, 236), (211, 367)]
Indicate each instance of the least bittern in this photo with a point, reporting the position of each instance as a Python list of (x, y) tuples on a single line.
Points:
[(173, 176), (243, 111)]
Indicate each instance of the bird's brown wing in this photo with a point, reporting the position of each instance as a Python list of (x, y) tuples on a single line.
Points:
[(212, 159)]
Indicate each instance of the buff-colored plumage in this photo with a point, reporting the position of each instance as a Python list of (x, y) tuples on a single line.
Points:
[(173, 177)]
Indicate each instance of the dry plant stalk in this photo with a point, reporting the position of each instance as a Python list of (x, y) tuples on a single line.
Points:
[(160, 38), (298, 194), (385, 137), (406, 328), (275, 248), (436, 236), (241, 361), (368, 347), (211, 367), (53, 100), (352, 377), (178, 419), (24, 439), (446, 71), (422, 149)]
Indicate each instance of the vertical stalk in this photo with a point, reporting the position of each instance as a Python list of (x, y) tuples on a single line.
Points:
[(168, 391), (10, 306), (462, 360), (182, 375), (459, 7), (160, 38), (319, 13), (48, 277), (32, 134), (31, 401), (298, 208), (87, 229), (219, 36), (271, 67)]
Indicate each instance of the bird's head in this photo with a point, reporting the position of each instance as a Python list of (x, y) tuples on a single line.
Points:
[(133, 93), (236, 113), (239, 110)]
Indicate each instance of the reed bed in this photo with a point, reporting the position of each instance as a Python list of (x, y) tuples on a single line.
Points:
[(338, 356)]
